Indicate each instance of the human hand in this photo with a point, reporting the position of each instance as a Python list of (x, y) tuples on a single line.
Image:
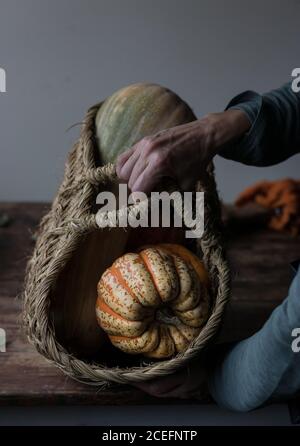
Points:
[(188, 383), (181, 153), (283, 197)]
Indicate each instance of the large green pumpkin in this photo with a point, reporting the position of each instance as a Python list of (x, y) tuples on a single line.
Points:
[(134, 112)]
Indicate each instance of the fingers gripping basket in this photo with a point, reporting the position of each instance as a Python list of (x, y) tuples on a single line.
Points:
[(70, 255)]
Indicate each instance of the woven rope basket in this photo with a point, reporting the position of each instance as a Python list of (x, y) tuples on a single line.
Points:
[(62, 241)]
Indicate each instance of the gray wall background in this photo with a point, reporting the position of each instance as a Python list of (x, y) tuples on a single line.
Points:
[(61, 56)]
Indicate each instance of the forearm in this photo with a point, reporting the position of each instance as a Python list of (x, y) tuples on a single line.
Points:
[(225, 127)]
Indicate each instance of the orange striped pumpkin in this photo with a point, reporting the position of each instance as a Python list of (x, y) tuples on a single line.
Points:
[(154, 302)]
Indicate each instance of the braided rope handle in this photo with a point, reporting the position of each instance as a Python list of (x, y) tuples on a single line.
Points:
[(110, 218)]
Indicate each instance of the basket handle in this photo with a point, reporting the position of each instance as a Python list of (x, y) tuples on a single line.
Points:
[(107, 175)]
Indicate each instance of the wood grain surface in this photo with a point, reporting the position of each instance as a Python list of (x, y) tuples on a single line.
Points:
[(261, 275)]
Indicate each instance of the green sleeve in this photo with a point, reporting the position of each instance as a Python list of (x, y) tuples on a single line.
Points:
[(274, 135)]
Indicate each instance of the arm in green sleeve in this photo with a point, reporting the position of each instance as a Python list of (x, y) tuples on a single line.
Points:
[(275, 132)]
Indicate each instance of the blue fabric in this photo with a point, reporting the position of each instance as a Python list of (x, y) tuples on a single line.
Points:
[(264, 366)]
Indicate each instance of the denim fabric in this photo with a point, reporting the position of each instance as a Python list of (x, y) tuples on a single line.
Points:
[(264, 366)]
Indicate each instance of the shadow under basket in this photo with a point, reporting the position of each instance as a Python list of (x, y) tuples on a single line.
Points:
[(72, 252)]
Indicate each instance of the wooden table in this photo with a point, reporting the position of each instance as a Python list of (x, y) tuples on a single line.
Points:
[(261, 276)]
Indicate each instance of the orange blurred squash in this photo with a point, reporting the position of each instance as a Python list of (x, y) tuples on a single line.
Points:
[(154, 302)]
